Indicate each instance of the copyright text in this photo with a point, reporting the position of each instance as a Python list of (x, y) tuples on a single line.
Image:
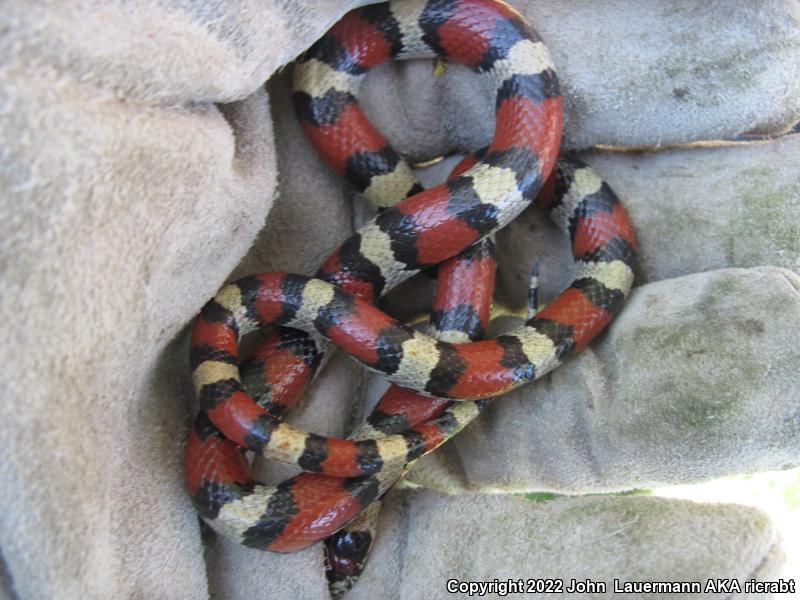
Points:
[(507, 587)]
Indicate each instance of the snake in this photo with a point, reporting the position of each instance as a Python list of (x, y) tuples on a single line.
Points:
[(242, 407)]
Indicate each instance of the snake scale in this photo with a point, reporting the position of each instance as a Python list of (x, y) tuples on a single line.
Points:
[(442, 380)]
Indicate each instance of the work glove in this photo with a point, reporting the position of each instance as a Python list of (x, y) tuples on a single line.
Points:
[(144, 163)]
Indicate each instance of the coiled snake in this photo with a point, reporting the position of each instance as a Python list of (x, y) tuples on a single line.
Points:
[(451, 374)]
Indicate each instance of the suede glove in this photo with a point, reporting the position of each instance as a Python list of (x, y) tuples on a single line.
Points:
[(144, 164)]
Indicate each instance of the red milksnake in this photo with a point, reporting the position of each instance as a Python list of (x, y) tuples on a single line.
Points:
[(421, 229)]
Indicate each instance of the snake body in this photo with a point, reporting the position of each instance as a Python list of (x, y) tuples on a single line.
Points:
[(418, 228)]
